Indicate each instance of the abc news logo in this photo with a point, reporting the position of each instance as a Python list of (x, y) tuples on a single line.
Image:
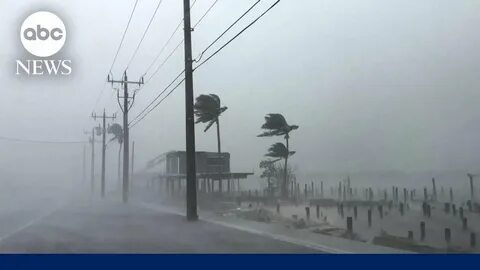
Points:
[(43, 34)]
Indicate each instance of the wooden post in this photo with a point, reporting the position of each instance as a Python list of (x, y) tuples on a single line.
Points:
[(464, 224), (318, 210), (410, 235), (451, 195), (469, 205), (355, 212), (321, 189), (454, 210), (401, 209), (460, 212), (425, 194), (349, 225), (307, 210), (369, 217), (278, 208), (422, 230), (448, 236), (380, 211)]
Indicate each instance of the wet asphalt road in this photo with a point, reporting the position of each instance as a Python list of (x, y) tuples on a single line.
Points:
[(113, 227)]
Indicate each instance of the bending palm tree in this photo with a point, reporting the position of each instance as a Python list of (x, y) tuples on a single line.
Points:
[(117, 132), (276, 125), (280, 151), (208, 110)]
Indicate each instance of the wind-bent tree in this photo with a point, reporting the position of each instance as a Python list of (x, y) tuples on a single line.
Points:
[(276, 125), (269, 172), (280, 151), (117, 131), (208, 110)]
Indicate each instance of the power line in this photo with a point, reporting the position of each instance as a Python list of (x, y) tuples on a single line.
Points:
[(144, 33), (116, 54), (181, 42), (226, 30), (205, 14), (156, 105), (199, 65), (168, 42), (237, 35), (164, 61), (39, 141), (158, 96), (123, 36)]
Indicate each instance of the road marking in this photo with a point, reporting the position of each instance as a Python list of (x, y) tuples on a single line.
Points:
[(278, 237), (30, 223)]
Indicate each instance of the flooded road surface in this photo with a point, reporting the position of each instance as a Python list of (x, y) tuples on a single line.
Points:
[(113, 227)]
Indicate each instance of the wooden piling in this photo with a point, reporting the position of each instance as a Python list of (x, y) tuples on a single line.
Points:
[(422, 230), (355, 212), (307, 210), (349, 225), (318, 210), (369, 214), (410, 235), (448, 236), (464, 224)]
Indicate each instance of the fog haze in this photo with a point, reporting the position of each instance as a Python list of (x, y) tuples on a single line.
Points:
[(373, 85)]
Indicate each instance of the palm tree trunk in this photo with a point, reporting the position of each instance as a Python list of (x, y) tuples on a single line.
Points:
[(119, 165), (218, 136), (285, 170)]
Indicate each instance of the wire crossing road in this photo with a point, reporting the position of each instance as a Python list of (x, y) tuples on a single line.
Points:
[(111, 227)]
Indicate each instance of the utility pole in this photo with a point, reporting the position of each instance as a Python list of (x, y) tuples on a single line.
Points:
[(126, 107), (133, 156), (190, 121), (104, 146), (92, 161), (84, 169), (472, 189)]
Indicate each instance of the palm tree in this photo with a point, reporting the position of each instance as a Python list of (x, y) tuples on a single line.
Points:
[(280, 151), (117, 132), (269, 172), (208, 110), (276, 125)]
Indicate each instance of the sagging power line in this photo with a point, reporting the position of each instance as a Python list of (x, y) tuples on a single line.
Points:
[(144, 34), (116, 54), (140, 117)]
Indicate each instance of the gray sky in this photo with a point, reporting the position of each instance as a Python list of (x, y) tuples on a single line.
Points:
[(373, 85)]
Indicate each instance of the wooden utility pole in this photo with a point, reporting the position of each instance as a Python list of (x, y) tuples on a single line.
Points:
[(92, 164), (104, 145), (189, 118), (126, 144), (133, 156), (472, 189)]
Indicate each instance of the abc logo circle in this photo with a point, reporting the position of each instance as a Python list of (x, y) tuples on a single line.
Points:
[(43, 34)]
